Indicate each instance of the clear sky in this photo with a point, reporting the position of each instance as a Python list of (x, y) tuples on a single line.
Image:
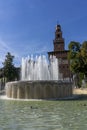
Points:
[(28, 26)]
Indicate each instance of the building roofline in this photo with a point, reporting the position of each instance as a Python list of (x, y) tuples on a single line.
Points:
[(58, 51)]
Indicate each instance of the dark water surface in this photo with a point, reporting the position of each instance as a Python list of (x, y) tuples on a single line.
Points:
[(43, 115)]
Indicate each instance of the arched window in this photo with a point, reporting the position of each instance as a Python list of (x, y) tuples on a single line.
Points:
[(58, 36)]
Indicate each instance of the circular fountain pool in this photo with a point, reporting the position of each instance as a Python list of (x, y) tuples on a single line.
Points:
[(38, 89)]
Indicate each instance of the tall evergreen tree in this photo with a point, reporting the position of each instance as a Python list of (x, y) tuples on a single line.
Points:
[(9, 68)]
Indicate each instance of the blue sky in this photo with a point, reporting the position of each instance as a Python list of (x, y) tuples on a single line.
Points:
[(28, 26)]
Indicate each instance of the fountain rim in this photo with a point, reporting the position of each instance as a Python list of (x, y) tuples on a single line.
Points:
[(39, 81)]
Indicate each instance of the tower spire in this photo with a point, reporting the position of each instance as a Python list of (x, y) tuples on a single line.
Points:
[(58, 41)]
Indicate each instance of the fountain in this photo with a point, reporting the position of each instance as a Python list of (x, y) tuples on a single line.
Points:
[(39, 80), (39, 69)]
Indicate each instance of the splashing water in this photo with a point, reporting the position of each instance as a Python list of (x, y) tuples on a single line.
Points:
[(39, 69)]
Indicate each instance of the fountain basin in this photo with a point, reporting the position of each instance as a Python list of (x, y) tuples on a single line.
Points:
[(38, 89)]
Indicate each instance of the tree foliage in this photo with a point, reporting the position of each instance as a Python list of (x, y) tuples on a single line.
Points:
[(78, 57), (9, 68), (84, 55)]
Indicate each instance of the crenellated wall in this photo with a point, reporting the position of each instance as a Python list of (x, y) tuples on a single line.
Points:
[(38, 89)]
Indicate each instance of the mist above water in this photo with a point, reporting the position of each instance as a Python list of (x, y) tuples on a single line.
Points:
[(39, 68)]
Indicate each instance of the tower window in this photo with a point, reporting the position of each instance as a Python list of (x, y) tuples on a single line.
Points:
[(58, 36), (58, 29)]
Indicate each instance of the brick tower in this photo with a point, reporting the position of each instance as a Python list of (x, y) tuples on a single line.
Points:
[(58, 41), (62, 55)]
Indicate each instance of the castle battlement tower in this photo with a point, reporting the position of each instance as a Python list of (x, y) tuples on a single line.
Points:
[(62, 54), (59, 40)]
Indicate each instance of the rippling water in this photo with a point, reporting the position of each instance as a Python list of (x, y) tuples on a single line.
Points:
[(43, 115)]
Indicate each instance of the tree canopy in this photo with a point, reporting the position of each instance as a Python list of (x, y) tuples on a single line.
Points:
[(78, 57)]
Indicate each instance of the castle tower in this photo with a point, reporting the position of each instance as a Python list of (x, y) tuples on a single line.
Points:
[(62, 54), (59, 40)]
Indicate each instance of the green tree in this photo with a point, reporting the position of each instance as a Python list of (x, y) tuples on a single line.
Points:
[(78, 58), (84, 57), (74, 56), (9, 68)]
